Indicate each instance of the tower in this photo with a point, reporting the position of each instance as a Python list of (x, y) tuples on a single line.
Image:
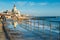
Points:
[(15, 11)]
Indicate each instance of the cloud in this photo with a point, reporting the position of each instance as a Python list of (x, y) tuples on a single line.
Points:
[(31, 3), (24, 3), (55, 4), (21, 3), (43, 4)]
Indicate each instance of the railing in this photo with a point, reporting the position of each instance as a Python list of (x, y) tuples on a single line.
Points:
[(48, 30), (45, 29)]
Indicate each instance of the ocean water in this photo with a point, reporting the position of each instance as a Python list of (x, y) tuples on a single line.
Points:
[(47, 29)]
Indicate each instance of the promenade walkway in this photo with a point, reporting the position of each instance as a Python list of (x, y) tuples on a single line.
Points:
[(2, 34), (28, 31)]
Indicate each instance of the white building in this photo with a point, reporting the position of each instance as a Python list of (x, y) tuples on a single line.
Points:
[(15, 11)]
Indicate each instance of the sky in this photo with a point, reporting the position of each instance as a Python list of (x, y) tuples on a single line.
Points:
[(33, 7)]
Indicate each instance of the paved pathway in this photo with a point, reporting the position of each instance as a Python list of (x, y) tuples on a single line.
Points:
[(2, 34)]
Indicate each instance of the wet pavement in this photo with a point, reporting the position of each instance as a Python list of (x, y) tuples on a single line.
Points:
[(24, 32)]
